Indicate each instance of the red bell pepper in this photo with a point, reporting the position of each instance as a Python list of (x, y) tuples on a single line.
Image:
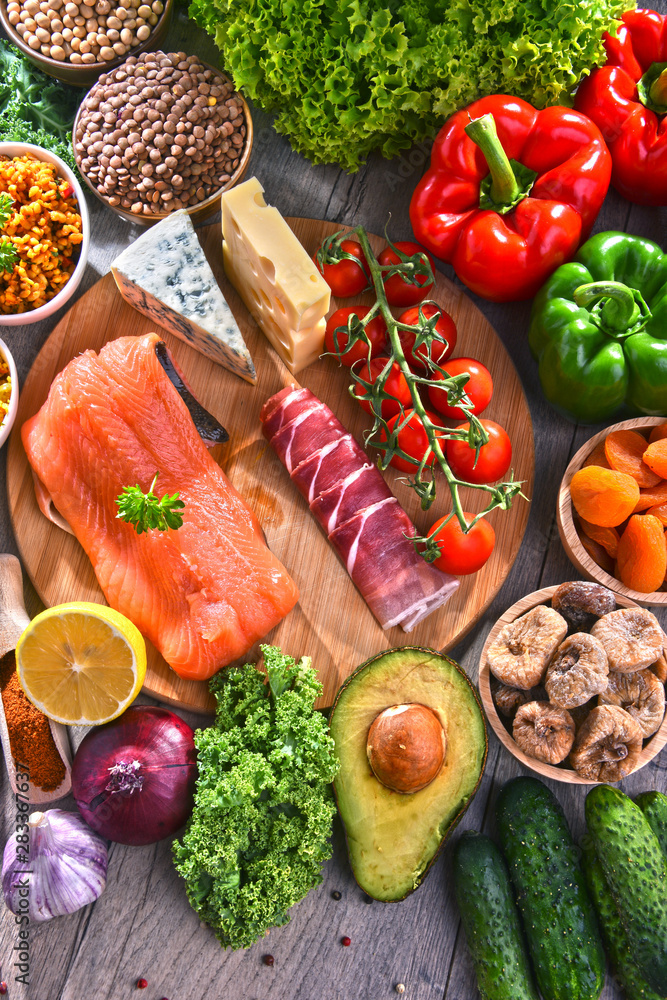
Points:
[(508, 210), (627, 99)]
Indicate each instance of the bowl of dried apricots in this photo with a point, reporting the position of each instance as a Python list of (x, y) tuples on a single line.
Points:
[(572, 680), (612, 509)]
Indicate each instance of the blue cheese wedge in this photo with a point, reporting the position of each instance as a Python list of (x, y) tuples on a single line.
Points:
[(165, 275)]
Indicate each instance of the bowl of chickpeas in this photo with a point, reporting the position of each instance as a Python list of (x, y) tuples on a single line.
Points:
[(44, 233), (77, 41)]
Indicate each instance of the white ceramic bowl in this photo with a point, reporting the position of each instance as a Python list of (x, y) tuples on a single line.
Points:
[(7, 423), (67, 291)]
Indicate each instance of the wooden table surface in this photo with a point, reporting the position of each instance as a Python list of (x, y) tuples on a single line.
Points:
[(142, 925)]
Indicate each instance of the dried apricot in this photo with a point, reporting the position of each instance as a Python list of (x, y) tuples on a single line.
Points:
[(651, 497), (603, 496), (655, 456), (599, 555), (660, 512), (608, 538), (624, 451), (642, 556), (597, 457), (657, 432)]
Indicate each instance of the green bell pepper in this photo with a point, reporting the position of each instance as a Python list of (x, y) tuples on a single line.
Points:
[(599, 330)]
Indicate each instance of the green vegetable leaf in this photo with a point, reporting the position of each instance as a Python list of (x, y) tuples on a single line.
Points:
[(8, 255), (346, 77), (35, 107), (6, 207), (145, 511), (258, 835)]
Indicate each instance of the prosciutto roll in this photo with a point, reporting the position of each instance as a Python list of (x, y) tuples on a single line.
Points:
[(352, 502)]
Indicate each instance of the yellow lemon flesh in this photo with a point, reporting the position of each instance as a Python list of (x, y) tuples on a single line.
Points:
[(81, 664)]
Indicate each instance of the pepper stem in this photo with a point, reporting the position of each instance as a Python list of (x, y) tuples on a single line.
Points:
[(658, 89), (620, 310), (652, 88), (483, 132)]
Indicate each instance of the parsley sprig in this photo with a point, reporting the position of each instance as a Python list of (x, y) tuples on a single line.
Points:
[(146, 511), (8, 254)]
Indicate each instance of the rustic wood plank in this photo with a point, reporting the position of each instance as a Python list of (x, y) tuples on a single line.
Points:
[(143, 925)]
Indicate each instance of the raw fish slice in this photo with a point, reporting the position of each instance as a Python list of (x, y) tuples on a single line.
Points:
[(203, 594), (357, 491), (398, 585), (326, 467)]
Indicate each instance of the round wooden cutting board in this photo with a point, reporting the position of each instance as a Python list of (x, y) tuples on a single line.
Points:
[(331, 622)]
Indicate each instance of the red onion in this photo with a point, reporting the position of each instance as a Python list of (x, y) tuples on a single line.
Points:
[(133, 779)]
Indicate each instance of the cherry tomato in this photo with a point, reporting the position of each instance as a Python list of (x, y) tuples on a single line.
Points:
[(376, 331), (438, 352), (395, 385), (412, 439), (346, 278), (398, 291), (479, 388), (494, 460), (462, 553)]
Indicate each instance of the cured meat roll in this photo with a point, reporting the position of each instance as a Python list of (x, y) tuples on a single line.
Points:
[(352, 502)]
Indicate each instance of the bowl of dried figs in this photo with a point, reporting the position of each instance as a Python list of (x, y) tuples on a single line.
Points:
[(612, 509), (572, 679)]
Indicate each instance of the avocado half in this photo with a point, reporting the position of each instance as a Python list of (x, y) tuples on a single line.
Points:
[(394, 837)]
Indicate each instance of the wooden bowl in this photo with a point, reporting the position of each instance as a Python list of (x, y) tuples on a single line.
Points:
[(652, 746), (85, 75), (568, 533), (202, 210)]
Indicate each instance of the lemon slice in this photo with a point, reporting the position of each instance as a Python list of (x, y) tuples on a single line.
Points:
[(81, 664)]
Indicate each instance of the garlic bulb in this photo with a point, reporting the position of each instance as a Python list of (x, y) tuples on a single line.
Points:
[(63, 869)]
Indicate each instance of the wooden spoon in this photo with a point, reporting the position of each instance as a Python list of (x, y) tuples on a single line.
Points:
[(13, 621)]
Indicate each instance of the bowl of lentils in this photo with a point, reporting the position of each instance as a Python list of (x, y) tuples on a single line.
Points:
[(76, 41), (162, 132)]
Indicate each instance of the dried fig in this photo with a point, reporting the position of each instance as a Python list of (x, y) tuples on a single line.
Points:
[(508, 699), (544, 731), (520, 653), (659, 668), (577, 672), (608, 744), (582, 603), (632, 639), (641, 695)]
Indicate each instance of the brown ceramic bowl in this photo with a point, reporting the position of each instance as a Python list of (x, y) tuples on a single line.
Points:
[(565, 516), (203, 209), (652, 746), (86, 75)]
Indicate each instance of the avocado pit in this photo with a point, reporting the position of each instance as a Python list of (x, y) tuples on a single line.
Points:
[(406, 746)]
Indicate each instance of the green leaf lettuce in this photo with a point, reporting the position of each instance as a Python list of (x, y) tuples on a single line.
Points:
[(346, 77)]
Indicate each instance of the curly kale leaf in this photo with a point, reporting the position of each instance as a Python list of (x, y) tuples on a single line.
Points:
[(33, 106), (259, 832), (347, 77)]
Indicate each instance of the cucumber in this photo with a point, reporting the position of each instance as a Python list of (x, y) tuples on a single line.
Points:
[(563, 939), (654, 807), (491, 920), (636, 872), (631, 980)]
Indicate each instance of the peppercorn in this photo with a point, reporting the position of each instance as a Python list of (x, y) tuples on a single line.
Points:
[(142, 984), (336, 895), (346, 941), (3, 988), (268, 959), (400, 988)]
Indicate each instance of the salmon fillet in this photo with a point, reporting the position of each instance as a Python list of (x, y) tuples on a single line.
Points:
[(204, 593)]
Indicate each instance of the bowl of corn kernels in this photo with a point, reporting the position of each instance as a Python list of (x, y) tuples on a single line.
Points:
[(44, 233)]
